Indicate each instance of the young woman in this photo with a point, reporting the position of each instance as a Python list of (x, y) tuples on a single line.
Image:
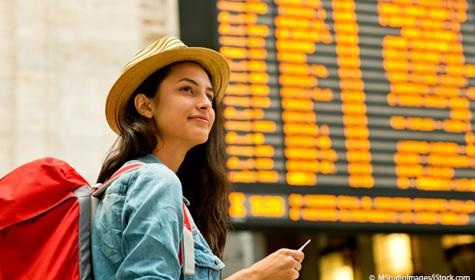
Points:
[(165, 108)]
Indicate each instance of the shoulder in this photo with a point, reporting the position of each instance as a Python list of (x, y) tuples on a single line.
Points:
[(153, 169), (153, 181), (155, 172)]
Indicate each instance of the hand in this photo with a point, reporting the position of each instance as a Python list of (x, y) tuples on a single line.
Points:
[(283, 264)]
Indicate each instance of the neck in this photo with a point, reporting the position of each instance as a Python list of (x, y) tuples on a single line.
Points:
[(171, 155)]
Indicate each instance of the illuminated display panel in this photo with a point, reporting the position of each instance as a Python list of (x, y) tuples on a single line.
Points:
[(346, 114)]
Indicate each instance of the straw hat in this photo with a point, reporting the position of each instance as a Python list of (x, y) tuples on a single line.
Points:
[(161, 53)]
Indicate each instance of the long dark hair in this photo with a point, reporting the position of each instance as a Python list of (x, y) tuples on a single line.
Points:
[(202, 173)]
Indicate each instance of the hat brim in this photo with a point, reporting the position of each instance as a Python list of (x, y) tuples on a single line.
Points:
[(120, 93)]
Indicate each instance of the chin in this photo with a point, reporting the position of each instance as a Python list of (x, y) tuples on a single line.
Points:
[(199, 141)]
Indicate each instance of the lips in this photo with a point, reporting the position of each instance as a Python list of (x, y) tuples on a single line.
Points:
[(201, 118)]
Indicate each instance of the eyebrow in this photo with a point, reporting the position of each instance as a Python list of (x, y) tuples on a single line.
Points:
[(195, 83)]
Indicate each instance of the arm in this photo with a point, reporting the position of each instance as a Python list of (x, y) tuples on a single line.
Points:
[(153, 226), (283, 264)]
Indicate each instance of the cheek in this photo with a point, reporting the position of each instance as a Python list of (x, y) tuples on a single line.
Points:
[(169, 118), (164, 119)]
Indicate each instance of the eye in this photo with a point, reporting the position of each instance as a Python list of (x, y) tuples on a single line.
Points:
[(210, 96), (186, 89)]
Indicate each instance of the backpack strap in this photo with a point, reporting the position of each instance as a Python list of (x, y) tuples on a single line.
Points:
[(187, 248)]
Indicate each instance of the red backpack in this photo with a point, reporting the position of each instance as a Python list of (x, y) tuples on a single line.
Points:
[(45, 221)]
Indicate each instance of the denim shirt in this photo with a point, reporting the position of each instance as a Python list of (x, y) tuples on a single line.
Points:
[(138, 227)]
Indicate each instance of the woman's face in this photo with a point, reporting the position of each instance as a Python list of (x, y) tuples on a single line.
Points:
[(183, 110)]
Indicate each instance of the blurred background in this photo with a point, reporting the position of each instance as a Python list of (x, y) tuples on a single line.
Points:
[(349, 123)]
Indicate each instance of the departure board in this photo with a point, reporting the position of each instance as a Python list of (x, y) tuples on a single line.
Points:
[(345, 114)]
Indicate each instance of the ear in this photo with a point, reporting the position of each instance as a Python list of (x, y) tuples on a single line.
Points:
[(144, 105)]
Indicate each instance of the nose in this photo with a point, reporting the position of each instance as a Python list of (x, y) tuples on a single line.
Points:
[(204, 103)]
